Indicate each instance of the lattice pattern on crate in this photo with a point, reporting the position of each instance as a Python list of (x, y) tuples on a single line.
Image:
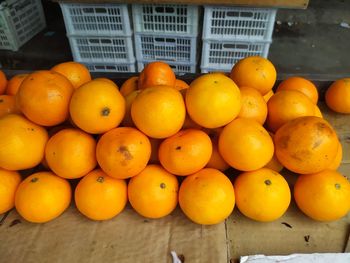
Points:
[(169, 48), (178, 68), (96, 19), (163, 18), (111, 67), (238, 23), (102, 49)]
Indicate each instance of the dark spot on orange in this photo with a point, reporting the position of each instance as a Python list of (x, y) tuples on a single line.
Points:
[(124, 150), (105, 111), (162, 185), (284, 140), (337, 186), (317, 143), (35, 179), (100, 179), (267, 182), (1, 100), (178, 148)]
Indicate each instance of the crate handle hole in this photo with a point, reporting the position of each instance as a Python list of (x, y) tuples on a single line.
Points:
[(165, 40), (232, 13), (94, 41), (168, 9), (101, 10), (237, 46), (88, 10), (247, 14), (106, 41)]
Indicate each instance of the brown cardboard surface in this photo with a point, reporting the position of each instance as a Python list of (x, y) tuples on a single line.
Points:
[(126, 238)]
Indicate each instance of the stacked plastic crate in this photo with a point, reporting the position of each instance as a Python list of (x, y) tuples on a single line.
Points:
[(232, 33), (100, 36), (165, 32), (20, 20)]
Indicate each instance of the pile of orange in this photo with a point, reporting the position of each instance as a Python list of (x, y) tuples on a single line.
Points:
[(133, 144)]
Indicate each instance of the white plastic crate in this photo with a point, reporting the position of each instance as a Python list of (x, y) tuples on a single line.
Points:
[(178, 68), (165, 19), (170, 48), (222, 55), (96, 19), (102, 49), (19, 22), (222, 22), (127, 67)]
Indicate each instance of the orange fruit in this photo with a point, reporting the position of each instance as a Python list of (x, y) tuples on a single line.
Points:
[(153, 193), (306, 145), (287, 105), (216, 161), (123, 152), (186, 152), (245, 145), (3, 82), (253, 105), (255, 72), (129, 86), (107, 81), (323, 196), (207, 197), (159, 111), (318, 112), (44, 97), (337, 159), (97, 107), (156, 73), (42, 197), (129, 99), (302, 85), (213, 100), (274, 163), (99, 196), (8, 105), (14, 83), (181, 85), (9, 182), (338, 96), (262, 195), (155, 143), (22, 143), (268, 95), (190, 124), (70, 153), (75, 72)]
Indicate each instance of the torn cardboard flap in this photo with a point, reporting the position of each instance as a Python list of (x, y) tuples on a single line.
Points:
[(126, 238)]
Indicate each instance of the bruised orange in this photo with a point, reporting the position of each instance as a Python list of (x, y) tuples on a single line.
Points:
[(8, 105), (186, 152), (156, 73), (253, 105), (207, 197), (42, 197), (99, 196), (123, 152), (153, 193), (338, 96), (14, 83), (9, 181), (75, 72), (323, 196), (130, 85)]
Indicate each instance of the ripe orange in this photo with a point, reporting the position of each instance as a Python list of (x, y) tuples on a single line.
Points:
[(44, 97), (262, 195), (213, 100), (14, 83), (75, 72), (337, 159), (8, 105), (287, 105), (107, 80), (274, 163), (159, 111), (245, 145), (190, 124), (153, 193), (318, 112), (155, 143), (99, 196), (338, 96), (9, 182), (22, 143), (186, 152), (323, 196), (129, 86), (70, 153), (97, 107), (181, 85), (123, 152), (302, 85), (3, 82), (129, 99), (255, 72), (216, 161), (253, 105), (207, 197), (306, 145), (268, 95), (156, 73), (42, 197)]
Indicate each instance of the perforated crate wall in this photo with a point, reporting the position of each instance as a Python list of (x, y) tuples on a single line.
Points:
[(178, 68), (96, 19), (166, 47), (222, 22), (19, 22), (129, 67), (222, 55), (165, 19), (102, 49)]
